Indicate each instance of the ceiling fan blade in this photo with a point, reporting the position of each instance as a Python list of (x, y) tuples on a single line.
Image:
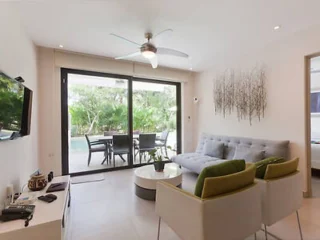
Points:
[(160, 38), (125, 39), (166, 31), (154, 61), (129, 55), (172, 52)]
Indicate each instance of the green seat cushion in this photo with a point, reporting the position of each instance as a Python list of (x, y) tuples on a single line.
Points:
[(281, 169), (221, 169), (214, 186), (262, 165)]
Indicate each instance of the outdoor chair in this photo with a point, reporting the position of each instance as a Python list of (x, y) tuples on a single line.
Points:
[(120, 146), (161, 142), (145, 144), (96, 146)]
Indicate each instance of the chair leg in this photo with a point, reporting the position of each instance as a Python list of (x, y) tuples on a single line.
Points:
[(122, 158), (265, 231), (255, 236), (135, 155), (114, 161), (140, 156), (159, 225), (104, 160), (299, 225), (89, 158), (166, 150)]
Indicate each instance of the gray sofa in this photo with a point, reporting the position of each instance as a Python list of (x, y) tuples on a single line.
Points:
[(198, 160)]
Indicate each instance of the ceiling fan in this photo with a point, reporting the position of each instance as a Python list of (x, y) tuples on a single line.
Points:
[(149, 50)]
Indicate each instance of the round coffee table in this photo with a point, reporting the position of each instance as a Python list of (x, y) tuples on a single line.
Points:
[(146, 179)]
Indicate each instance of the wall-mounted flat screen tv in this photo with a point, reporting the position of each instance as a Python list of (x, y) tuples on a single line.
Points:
[(15, 108)]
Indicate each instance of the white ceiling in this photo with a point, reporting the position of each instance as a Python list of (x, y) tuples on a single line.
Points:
[(208, 30)]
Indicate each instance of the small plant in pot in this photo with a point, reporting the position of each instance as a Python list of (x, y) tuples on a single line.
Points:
[(158, 160)]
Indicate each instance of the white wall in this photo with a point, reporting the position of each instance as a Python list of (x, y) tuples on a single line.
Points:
[(285, 114), (50, 63), (18, 57)]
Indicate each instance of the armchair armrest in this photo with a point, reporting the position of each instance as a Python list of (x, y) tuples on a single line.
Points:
[(182, 211)]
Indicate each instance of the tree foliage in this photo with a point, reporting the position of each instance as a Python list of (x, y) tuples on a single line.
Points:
[(95, 109), (11, 101)]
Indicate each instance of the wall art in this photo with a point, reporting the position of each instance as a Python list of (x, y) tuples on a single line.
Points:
[(241, 92)]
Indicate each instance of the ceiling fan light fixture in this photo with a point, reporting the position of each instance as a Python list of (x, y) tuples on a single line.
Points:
[(148, 54)]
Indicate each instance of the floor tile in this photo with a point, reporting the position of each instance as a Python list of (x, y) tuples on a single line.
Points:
[(110, 209)]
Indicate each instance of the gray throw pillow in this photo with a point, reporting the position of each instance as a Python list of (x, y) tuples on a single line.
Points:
[(213, 149), (248, 154)]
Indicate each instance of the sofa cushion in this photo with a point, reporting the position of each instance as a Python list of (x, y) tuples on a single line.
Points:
[(213, 149), (195, 161), (281, 169), (214, 186), (262, 165), (221, 169), (248, 154), (271, 147)]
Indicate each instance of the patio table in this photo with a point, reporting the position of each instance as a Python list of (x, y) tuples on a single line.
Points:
[(109, 138)]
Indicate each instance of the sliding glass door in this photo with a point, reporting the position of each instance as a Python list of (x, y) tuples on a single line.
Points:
[(154, 106), (112, 121)]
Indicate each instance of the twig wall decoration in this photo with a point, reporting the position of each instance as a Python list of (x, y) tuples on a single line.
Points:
[(243, 92)]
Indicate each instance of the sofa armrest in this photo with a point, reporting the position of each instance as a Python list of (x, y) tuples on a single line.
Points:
[(182, 211)]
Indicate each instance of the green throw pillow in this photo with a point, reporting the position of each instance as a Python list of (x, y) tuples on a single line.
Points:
[(228, 167), (263, 164)]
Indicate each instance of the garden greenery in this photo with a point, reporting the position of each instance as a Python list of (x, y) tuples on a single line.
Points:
[(96, 109)]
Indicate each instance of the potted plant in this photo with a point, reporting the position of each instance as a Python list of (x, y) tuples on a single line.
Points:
[(158, 160)]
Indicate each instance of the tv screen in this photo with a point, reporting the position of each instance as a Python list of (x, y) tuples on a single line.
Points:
[(15, 108)]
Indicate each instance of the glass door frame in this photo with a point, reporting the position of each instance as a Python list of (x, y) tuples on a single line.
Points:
[(130, 79)]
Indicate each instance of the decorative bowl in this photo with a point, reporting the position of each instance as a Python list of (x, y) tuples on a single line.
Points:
[(37, 182)]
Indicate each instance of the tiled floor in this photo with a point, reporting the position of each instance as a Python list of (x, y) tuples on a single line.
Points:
[(110, 210)]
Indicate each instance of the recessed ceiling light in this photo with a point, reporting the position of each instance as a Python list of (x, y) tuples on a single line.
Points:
[(190, 68), (277, 27), (60, 46)]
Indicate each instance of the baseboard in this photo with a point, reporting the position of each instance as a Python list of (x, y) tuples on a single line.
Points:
[(306, 195)]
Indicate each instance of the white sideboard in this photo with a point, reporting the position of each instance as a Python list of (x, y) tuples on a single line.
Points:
[(49, 221)]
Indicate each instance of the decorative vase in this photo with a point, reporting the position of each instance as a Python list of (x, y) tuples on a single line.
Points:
[(159, 166), (37, 182)]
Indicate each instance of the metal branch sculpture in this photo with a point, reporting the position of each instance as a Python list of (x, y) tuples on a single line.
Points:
[(244, 93)]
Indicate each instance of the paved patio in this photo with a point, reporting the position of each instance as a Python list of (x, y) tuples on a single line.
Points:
[(78, 161), (78, 155)]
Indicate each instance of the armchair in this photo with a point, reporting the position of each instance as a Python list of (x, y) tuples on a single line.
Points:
[(281, 193), (230, 215)]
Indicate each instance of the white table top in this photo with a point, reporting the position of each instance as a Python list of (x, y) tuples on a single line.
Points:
[(147, 177), (171, 170), (109, 138), (44, 212)]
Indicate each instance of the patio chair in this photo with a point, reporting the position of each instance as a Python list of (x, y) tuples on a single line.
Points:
[(96, 146), (146, 143), (120, 146), (162, 142)]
